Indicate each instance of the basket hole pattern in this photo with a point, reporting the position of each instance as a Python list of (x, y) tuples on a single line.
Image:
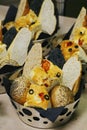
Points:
[(24, 112)]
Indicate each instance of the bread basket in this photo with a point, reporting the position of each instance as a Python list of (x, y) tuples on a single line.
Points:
[(50, 118)]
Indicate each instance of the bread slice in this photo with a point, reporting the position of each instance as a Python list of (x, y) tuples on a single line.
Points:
[(72, 70), (17, 52), (23, 9), (33, 59)]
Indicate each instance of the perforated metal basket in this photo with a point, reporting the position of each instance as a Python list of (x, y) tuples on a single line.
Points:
[(50, 118)]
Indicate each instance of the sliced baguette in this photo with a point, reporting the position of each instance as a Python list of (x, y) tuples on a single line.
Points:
[(72, 73)]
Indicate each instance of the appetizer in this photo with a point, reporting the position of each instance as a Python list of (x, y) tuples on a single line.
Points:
[(79, 32), (43, 84)]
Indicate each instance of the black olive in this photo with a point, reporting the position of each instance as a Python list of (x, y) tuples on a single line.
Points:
[(76, 46), (70, 49), (58, 74), (31, 91), (81, 33), (46, 97)]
